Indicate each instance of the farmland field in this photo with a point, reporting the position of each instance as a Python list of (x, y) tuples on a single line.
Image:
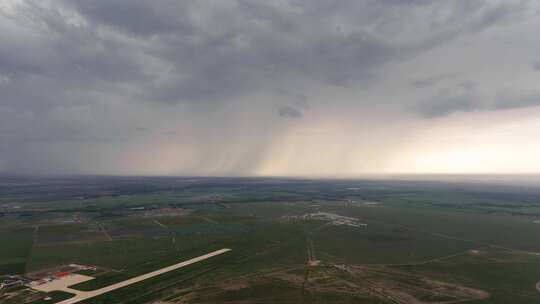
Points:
[(291, 240)]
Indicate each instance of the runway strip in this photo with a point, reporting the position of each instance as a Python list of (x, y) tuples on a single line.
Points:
[(84, 295)]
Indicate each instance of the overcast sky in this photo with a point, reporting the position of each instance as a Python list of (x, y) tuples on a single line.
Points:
[(315, 88)]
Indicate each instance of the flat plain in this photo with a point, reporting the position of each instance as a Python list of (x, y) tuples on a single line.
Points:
[(291, 240)]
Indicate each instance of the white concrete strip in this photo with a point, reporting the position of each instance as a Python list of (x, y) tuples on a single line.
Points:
[(160, 224), (61, 283), (209, 220), (84, 295)]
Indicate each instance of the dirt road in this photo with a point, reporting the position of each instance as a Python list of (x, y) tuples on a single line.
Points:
[(160, 224), (84, 295)]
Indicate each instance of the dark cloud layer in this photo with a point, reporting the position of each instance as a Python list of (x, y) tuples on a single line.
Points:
[(430, 81), (79, 72), (211, 50), (461, 98), (466, 97), (290, 112)]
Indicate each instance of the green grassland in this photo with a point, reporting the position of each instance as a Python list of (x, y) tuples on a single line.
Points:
[(419, 237), (507, 277), (15, 249)]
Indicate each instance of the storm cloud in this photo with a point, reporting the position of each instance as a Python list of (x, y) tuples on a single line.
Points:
[(289, 112), (200, 83)]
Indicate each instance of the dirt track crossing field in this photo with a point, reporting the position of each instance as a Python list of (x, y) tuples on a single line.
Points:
[(84, 295)]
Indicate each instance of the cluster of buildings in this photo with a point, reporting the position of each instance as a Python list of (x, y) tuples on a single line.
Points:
[(334, 219), (331, 218), (11, 281), (36, 279), (164, 211)]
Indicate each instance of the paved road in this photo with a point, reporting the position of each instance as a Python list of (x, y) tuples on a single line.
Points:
[(84, 295), (160, 224)]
